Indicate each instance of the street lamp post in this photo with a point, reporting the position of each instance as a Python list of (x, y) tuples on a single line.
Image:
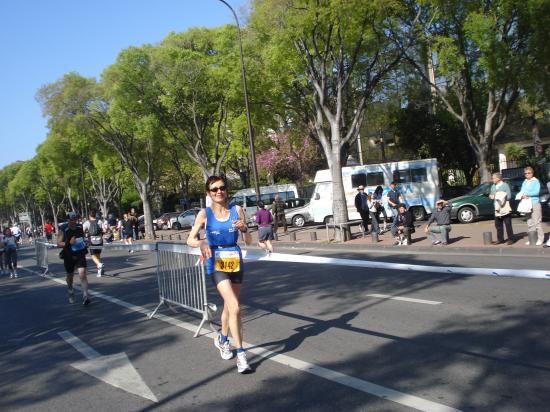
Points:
[(246, 104)]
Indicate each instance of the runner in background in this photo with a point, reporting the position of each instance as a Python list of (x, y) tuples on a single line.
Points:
[(224, 263), (48, 231), (10, 252), (93, 229), (71, 239), (3, 270), (15, 231)]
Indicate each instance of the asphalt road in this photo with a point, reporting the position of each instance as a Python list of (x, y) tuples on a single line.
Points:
[(320, 342)]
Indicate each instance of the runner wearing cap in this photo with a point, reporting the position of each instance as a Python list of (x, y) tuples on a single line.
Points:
[(224, 263), (71, 239)]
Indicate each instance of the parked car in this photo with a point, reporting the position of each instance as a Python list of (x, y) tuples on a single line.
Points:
[(163, 222), (298, 215), (451, 192), (185, 219), (477, 203)]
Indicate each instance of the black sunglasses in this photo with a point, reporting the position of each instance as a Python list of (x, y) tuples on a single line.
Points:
[(215, 189)]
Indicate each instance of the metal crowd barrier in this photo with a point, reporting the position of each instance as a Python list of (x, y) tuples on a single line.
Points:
[(182, 281), (41, 249)]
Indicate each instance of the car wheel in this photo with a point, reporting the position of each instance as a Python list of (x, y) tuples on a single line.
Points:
[(176, 226), (165, 227), (466, 215), (298, 221), (419, 213)]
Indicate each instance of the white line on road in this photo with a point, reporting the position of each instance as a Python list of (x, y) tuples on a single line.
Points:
[(371, 388), (84, 349), (427, 302)]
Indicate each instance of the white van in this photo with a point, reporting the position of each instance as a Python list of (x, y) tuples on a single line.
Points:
[(246, 198), (417, 180)]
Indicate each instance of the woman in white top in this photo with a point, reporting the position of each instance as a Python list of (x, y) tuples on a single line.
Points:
[(372, 205)]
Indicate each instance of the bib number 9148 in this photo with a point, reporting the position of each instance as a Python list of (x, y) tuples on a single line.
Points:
[(227, 261)]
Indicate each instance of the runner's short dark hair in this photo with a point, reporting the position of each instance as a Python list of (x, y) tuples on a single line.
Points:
[(213, 179), (393, 183), (93, 213)]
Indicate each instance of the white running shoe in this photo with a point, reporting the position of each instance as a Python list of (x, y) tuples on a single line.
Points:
[(405, 242), (71, 296), (11, 276), (242, 363), (225, 350)]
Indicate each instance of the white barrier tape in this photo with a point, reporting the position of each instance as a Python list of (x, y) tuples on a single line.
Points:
[(371, 264), (284, 257)]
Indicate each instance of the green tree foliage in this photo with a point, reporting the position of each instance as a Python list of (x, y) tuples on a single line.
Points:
[(336, 54), (485, 55)]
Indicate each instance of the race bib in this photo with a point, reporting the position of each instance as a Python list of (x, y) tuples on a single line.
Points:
[(227, 261)]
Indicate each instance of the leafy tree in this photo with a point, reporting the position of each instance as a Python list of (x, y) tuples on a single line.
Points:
[(341, 51), (485, 53)]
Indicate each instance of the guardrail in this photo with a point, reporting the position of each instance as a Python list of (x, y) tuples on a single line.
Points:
[(182, 281), (41, 250)]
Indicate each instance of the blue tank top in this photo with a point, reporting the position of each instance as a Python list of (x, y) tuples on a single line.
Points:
[(222, 237)]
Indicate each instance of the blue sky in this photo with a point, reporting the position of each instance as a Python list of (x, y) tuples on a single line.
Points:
[(42, 40)]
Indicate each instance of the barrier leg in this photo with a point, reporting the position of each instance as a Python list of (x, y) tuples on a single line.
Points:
[(204, 319), (153, 313)]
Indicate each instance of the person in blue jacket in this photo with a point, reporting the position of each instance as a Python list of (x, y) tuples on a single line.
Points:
[(224, 263), (530, 189)]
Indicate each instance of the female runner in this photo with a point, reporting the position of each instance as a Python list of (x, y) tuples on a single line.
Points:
[(224, 263)]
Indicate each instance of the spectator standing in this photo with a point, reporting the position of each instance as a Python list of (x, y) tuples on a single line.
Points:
[(378, 198), (372, 207), (442, 218), (135, 224), (501, 194), (362, 207), (403, 226), (530, 189), (394, 200), (265, 230), (48, 231), (278, 210), (10, 252)]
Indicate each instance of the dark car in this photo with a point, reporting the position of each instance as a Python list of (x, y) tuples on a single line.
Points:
[(476, 203), (450, 192)]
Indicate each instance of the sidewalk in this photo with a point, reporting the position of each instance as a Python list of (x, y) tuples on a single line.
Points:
[(464, 238)]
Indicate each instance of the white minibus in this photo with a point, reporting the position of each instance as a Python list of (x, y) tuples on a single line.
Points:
[(247, 197), (417, 180)]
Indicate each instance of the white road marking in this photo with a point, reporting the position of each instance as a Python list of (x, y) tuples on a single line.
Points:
[(371, 388), (427, 302), (116, 370)]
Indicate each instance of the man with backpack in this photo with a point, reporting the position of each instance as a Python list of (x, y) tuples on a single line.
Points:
[(94, 231)]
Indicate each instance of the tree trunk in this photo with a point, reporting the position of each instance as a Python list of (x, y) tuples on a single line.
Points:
[(145, 194), (483, 155), (339, 204)]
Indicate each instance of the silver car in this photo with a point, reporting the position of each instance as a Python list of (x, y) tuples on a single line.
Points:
[(184, 220), (298, 213)]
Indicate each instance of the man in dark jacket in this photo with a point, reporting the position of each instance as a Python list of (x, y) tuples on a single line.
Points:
[(361, 206), (278, 211), (403, 226)]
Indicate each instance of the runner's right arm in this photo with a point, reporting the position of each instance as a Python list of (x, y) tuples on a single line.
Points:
[(192, 240)]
